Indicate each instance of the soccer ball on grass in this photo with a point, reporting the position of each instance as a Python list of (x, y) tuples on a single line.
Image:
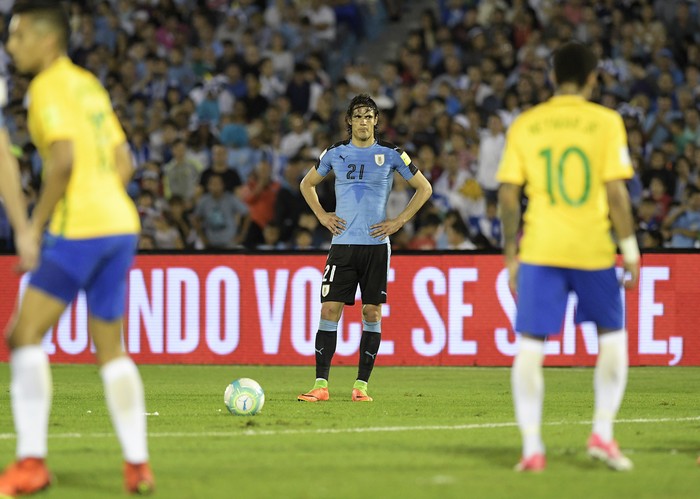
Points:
[(244, 397)]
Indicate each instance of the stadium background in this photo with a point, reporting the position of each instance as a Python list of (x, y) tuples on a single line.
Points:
[(261, 307)]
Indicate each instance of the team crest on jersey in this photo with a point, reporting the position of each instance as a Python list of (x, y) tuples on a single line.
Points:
[(325, 289), (379, 159)]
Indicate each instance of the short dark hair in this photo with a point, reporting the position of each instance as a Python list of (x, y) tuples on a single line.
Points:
[(360, 100), (49, 11), (573, 62)]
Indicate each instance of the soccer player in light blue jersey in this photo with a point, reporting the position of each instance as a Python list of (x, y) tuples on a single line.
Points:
[(359, 255)]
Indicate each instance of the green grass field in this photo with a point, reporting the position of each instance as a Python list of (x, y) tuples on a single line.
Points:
[(431, 433)]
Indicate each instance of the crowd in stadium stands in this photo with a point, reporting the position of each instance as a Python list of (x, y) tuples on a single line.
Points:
[(227, 104)]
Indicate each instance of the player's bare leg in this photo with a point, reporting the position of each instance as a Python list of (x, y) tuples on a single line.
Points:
[(326, 340), (126, 403), (30, 392)]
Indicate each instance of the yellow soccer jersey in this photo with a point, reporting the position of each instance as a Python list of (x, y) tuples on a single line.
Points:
[(564, 151), (68, 103)]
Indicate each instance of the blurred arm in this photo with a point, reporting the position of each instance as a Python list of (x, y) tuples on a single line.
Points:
[(58, 168)]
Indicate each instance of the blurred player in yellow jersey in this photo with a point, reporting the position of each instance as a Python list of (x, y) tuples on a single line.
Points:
[(571, 157), (90, 240)]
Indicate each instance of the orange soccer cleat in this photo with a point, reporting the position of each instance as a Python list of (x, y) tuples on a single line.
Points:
[(314, 395), (26, 476), (359, 395), (138, 479)]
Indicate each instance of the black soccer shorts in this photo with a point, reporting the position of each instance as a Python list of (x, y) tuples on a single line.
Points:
[(348, 265)]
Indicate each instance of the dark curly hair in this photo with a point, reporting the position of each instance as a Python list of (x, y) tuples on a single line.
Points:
[(360, 100)]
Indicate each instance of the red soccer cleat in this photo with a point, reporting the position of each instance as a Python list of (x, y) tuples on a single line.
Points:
[(609, 453), (26, 476), (138, 479), (536, 463)]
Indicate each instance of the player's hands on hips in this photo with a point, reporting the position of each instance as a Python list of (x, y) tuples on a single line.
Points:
[(333, 223), (385, 228), (28, 249), (513, 265), (633, 270)]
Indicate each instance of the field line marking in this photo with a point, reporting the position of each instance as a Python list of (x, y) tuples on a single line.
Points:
[(370, 429)]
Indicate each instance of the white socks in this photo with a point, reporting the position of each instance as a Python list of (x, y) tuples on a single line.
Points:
[(609, 381), (528, 393), (125, 401), (30, 391)]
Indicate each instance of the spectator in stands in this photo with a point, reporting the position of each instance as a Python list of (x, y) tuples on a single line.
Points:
[(181, 174), (271, 85), (659, 167), (487, 227), (140, 150), (322, 18), (647, 219), (222, 219), (302, 239), (219, 166), (658, 194), (290, 203), (684, 222), (298, 136), (165, 234), (658, 124), (426, 235), (271, 237), (260, 195), (299, 90), (686, 176), (180, 219), (458, 235), (196, 82), (320, 236), (150, 182), (281, 59), (493, 140)]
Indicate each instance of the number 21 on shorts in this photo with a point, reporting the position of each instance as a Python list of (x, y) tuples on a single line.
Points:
[(326, 277)]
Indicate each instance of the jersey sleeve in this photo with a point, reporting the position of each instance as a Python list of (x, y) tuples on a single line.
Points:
[(51, 113), (617, 164), (511, 170), (117, 132), (323, 165), (404, 165)]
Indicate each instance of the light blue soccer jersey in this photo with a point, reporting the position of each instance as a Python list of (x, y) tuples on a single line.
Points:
[(363, 180)]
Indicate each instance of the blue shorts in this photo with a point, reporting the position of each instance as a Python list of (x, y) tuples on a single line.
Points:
[(544, 291), (98, 266)]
